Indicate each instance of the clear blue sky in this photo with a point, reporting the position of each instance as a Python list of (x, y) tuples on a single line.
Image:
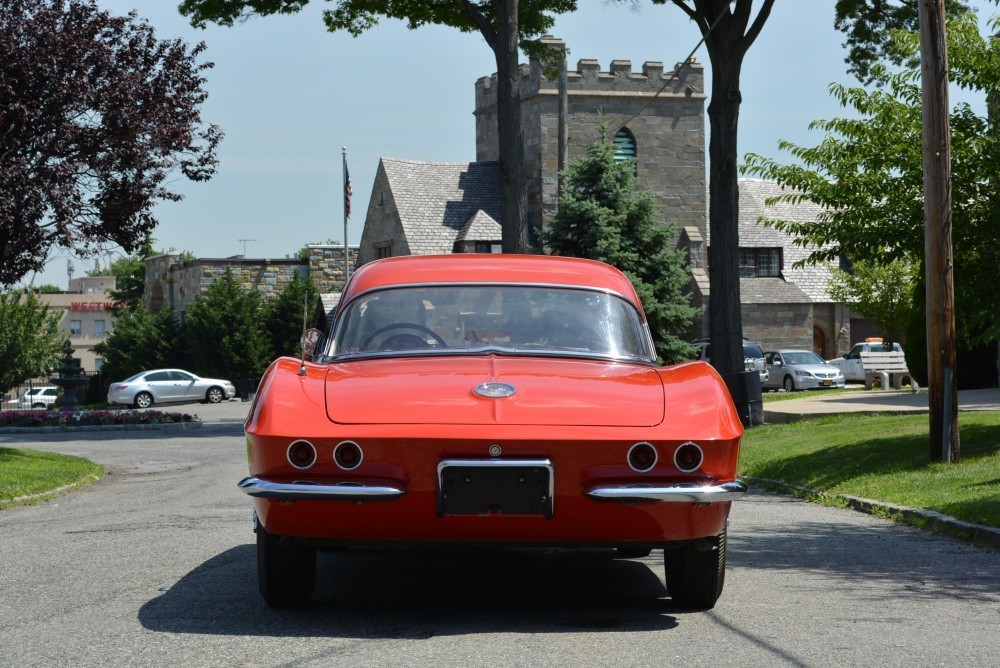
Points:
[(289, 95)]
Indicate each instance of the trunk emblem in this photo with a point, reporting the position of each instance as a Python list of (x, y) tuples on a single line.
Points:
[(494, 390)]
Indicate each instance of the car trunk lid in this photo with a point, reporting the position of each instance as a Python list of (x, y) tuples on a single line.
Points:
[(441, 390)]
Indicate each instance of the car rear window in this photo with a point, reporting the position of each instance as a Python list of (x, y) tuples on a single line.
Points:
[(503, 318)]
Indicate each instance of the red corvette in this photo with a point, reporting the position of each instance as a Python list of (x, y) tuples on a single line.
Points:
[(491, 400)]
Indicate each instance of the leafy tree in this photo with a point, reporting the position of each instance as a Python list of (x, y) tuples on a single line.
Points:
[(49, 288), (97, 113), (602, 217), (881, 293), (506, 25), (284, 316), (141, 340), (729, 31), (30, 341), (867, 174), (870, 25), (225, 331)]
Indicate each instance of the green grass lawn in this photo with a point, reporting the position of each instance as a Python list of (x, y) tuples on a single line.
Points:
[(805, 394), (27, 472), (885, 458)]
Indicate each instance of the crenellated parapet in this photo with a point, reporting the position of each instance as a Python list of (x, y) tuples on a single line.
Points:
[(685, 80)]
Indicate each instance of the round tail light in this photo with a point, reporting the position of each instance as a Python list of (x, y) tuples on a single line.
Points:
[(688, 457), (642, 457), (301, 454), (348, 455)]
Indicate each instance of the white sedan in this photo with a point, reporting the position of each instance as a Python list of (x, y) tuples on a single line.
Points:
[(800, 370), (168, 386)]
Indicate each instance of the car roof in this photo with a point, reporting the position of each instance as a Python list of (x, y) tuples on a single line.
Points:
[(488, 268)]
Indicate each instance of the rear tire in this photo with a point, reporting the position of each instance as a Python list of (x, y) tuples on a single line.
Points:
[(286, 570), (695, 577), (143, 400)]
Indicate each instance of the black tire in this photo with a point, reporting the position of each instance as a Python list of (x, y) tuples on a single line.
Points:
[(39, 405), (286, 570), (695, 575), (214, 395), (788, 383), (143, 400)]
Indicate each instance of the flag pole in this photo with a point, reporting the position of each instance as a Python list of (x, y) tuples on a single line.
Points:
[(347, 214)]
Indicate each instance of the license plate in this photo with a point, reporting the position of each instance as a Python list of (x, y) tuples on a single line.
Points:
[(828, 382), (495, 487)]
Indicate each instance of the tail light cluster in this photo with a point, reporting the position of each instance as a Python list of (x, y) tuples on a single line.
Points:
[(347, 455), (688, 457)]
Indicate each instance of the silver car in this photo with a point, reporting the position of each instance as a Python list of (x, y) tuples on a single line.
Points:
[(800, 370), (163, 386), (36, 397)]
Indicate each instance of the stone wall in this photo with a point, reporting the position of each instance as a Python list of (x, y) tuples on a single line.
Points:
[(174, 284), (669, 130), (776, 326)]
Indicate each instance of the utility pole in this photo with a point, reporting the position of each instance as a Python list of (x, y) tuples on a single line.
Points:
[(938, 257)]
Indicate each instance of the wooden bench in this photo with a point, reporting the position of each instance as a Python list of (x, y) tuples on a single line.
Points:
[(888, 367)]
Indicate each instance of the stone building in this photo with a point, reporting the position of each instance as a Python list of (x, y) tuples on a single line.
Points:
[(425, 208), (171, 283), (656, 118), (85, 315)]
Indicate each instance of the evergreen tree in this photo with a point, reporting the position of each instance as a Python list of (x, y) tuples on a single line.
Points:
[(602, 217), (225, 331), (141, 340), (284, 316)]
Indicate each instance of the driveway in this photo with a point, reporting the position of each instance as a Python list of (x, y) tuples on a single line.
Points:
[(154, 565)]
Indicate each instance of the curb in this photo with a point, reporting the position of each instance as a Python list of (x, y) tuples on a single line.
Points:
[(82, 482), (973, 533), (192, 424)]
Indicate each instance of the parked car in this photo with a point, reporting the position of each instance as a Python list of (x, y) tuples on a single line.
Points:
[(491, 400), (800, 370), (850, 362), (162, 386), (35, 397), (753, 356)]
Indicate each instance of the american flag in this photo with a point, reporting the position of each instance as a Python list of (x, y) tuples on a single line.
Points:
[(348, 191)]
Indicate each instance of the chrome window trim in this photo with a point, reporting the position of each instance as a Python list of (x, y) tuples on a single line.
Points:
[(331, 342)]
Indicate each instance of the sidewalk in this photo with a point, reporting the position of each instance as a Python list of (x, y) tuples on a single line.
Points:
[(816, 403)]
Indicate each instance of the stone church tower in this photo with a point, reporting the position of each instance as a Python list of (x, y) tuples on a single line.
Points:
[(657, 120)]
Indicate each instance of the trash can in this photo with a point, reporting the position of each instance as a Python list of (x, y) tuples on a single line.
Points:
[(748, 396)]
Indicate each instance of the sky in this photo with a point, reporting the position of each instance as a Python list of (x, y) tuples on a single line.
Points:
[(290, 96)]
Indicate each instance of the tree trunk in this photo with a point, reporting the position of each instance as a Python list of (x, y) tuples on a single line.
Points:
[(725, 317), (513, 189), (938, 259)]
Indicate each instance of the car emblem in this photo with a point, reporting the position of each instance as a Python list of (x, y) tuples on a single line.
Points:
[(495, 450), (494, 390)]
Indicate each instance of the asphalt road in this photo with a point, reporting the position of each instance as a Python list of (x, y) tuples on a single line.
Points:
[(154, 565)]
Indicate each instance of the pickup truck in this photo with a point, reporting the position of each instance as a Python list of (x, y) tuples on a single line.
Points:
[(850, 362)]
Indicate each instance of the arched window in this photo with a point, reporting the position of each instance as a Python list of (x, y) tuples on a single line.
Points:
[(625, 148)]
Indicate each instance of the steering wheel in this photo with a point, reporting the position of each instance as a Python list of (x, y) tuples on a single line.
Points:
[(401, 341)]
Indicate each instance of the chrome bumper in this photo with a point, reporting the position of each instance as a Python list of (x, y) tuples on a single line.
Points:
[(304, 490), (680, 493)]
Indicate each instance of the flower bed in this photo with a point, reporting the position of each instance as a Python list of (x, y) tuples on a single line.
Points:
[(87, 418)]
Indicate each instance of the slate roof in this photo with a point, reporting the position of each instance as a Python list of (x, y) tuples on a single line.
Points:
[(436, 200), (805, 284), (481, 227)]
